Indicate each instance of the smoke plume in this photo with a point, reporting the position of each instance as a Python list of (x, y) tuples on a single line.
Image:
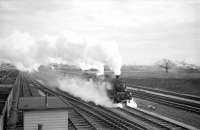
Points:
[(87, 90), (27, 53)]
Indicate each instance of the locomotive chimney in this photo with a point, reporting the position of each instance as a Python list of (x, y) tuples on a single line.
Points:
[(117, 76)]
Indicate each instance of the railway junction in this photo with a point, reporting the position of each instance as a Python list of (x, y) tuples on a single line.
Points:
[(27, 104)]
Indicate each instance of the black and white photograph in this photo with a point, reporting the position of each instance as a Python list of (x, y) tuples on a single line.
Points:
[(99, 65)]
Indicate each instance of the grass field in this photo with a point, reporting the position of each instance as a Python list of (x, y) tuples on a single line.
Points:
[(181, 82)]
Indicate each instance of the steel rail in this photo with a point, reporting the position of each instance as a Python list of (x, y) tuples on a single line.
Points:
[(155, 120), (111, 118), (13, 118), (85, 123), (166, 100), (71, 125), (110, 115), (119, 121), (186, 96)]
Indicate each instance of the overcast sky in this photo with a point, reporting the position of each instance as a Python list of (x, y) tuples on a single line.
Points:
[(145, 30)]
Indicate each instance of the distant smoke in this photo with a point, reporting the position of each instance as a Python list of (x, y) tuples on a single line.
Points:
[(87, 90), (28, 53)]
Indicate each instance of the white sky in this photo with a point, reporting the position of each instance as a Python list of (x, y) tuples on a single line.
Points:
[(145, 30)]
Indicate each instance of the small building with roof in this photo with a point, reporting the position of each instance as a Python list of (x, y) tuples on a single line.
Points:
[(44, 113)]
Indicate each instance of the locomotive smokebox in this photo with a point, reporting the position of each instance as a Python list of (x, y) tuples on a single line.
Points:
[(117, 76)]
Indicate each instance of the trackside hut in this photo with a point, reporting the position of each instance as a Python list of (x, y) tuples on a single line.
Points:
[(41, 113)]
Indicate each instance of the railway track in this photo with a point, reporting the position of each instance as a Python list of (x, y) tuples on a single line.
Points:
[(94, 117), (150, 122), (119, 122), (166, 99), (97, 118), (185, 96), (79, 121), (157, 121)]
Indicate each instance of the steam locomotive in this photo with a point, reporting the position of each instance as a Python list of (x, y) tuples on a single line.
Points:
[(119, 93)]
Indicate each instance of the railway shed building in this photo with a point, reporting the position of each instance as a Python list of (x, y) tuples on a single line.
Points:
[(42, 113)]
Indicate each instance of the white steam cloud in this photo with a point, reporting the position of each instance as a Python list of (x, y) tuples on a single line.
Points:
[(87, 90), (28, 53)]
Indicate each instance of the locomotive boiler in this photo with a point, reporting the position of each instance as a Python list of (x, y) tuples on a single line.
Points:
[(119, 93)]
